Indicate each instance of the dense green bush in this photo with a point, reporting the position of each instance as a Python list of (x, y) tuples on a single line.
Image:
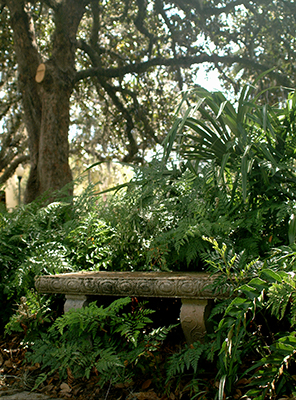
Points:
[(40, 239), (159, 221), (232, 177), (31, 243), (110, 341), (254, 330), (250, 155)]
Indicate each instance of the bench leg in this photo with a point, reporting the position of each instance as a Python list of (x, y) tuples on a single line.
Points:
[(192, 318), (75, 301)]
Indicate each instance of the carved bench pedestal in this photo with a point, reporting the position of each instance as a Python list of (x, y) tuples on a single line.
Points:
[(75, 301), (192, 317)]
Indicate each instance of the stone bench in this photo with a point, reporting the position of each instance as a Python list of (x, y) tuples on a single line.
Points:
[(192, 288)]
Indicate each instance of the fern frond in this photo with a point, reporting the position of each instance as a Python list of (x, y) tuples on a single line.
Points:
[(186, 359), (280, 295)]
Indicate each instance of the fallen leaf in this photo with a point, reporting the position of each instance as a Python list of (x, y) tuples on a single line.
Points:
[(119, 385), (76, 389), (33, 367), (65, 387), (146, 384), (238, 394), (70, 376)]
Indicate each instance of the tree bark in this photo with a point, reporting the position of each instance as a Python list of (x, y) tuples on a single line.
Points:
[(47, 103)]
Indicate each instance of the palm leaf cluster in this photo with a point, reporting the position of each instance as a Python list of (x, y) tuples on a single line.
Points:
[(247, 152)]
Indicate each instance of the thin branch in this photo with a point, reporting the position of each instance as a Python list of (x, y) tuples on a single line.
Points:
[(95, 52), (94, 33), (8, 104)]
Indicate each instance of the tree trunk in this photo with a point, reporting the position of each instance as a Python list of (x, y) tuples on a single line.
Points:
[(52, 171), (46, 100)]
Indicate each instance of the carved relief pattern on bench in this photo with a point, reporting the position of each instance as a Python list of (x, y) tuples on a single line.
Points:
[(183, 286)]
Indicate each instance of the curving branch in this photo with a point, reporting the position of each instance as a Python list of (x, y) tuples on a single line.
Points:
[(186, 61), (161, 11), (140, 115)]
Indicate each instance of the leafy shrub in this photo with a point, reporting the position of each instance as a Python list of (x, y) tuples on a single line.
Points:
[(159, 221), (248, 325), (254, 335), (32, 316), (247, 161), (58, 237), (88, 243), (105, 340), (246, 153), (232, 178), (30, 244)]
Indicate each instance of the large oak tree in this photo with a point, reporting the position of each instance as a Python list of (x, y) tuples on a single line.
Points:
[(110, 66)]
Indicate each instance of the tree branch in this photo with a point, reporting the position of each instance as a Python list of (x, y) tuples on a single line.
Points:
[(9, 171), (140, 25), (94, 33), (132, 146), (187, 61), (199, 6)]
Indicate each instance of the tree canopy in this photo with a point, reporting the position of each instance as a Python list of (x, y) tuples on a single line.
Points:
[(112, 69)]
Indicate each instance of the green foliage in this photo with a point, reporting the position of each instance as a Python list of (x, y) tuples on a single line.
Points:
[(167, 216), (33, 315), (108, 340), (37, 239), (189, 365), (264, 293), (246, 158), (88, 243), (254, 327), (246, 153), (232, 179), (188, 358), (30, 244)]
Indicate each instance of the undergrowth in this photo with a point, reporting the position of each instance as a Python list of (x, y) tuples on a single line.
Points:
[(107, 341)]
